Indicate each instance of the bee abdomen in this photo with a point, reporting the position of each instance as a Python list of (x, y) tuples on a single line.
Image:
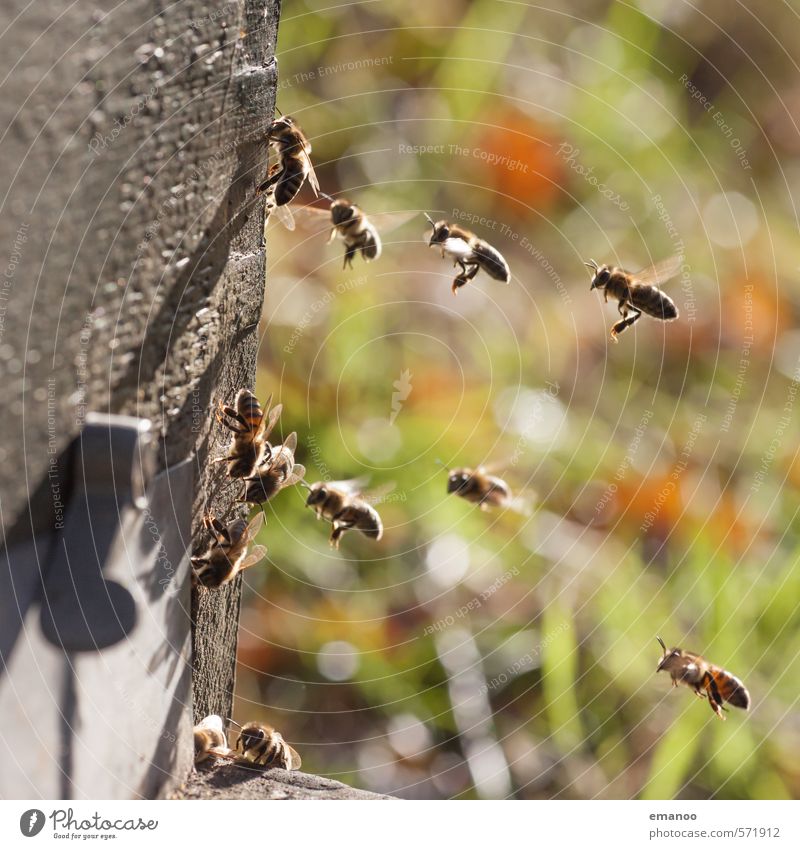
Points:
[(654, 302), (245, 462), (213, 573), (289, 183), (262, 488), (371, 245), (733, 691), (491, 261), (249, 409)]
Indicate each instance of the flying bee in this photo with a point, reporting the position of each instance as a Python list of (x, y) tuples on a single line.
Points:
[(265, 746), (708, 681), (210, 739), (467, 251), (227, 555), (342, 504), (637, 293), (251, 428), (286, 177), (276, 471), (356, 231), (351, 225), (479, 486)]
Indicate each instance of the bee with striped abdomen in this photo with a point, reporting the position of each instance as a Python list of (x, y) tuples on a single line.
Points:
[(471, 253), (251, 428), (276, 471), (227, 554), (264, 746), (286, 177), (638, 293), (210, 739), (480, 486), (342, 504), (706, 679), (356, 231)]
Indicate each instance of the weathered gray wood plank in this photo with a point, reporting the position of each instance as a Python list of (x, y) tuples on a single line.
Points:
[(135, 271)]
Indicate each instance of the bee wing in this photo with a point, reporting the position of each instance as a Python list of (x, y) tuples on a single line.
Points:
[(354, 486), (378, 493), (522, 503), (256, 555), (268, 421), (298, 473), (312, 175), (212, 721), (312, 218), (293, 760), (496, 467), (284, 215), (659, 273), (254, 526), (385, 222), (290, 442)]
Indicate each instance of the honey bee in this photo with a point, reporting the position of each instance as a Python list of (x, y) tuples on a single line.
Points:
[(356, 231), (468, 252), (342, 504), (251, 428), (286, 177), (265, 746), (637, 293), (707, 680), (227, 555), (479, 486), (276, 471), (210, 739)]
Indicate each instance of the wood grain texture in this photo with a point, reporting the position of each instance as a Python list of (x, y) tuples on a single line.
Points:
[(133, 247)]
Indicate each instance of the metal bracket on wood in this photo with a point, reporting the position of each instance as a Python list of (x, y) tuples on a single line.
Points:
[(103, 674)]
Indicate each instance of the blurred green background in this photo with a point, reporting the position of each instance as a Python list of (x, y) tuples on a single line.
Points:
[(492, 655)]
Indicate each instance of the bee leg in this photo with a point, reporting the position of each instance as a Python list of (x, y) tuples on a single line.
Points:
[(624, 324), (349, 253), (272, 177), (332, 235), (336, 535), (217, 529), (714, 692)]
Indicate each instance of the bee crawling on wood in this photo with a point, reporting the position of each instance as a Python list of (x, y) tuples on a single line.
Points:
[(210, 740), (227, 554), (638, 293), (251, 428), (286, 177), (343, 505), (708, 681), (471, 253), (276, 471), (264, 746)]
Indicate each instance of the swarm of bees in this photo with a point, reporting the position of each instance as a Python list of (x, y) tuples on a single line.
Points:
[(264, 469), (257, 744)]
